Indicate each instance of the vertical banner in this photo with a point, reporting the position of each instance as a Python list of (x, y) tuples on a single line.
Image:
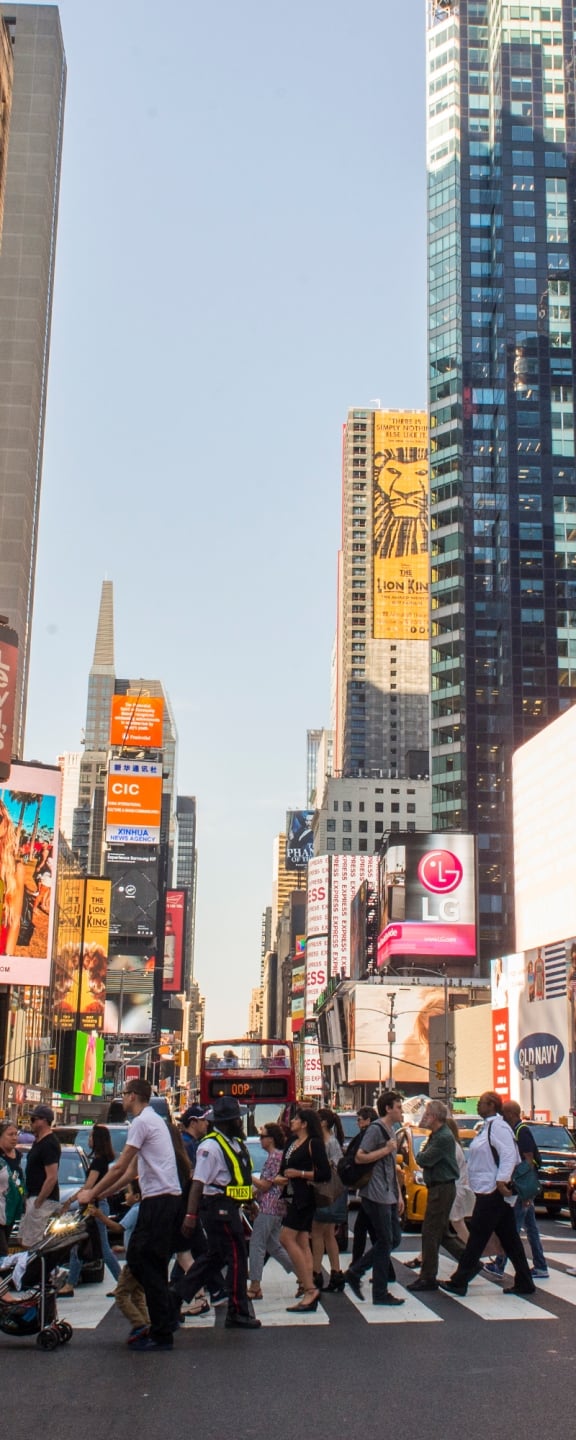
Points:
[(174, 941), (95, 955), (88, 1064), (8, 679), (29, 815), (401, 499), (68, 951), (316, 970), (501, 1053)]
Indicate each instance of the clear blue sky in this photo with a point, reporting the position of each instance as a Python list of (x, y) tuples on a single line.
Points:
[(241, 257)]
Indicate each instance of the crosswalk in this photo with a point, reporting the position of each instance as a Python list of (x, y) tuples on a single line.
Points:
[(484, 1300)]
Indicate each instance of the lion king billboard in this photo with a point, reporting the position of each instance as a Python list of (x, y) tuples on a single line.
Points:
[(400, 514)]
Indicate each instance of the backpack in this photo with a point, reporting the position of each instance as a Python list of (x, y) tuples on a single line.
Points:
[(15, 1196), (352, 1175), (524, 1181)]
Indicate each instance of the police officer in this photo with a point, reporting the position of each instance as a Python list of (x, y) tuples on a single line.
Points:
[(222, 1180)]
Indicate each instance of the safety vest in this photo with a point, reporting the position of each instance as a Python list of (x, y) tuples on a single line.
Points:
[(239, 1165)]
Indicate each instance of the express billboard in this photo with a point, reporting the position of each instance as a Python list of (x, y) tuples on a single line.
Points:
[(428, 899), (136, 721), (134, 802), (134, 900), (400, 509), (174, 941), (348, 873), (29, 810), (317, 901), (316, 970), (299, 839)]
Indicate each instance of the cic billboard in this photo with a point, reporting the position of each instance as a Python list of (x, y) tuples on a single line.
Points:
[(134, 802), (428, 900)]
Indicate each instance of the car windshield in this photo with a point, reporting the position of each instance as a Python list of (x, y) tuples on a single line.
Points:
[(552, 1137), (349, 1124), (71, 1170), (417, 1143)]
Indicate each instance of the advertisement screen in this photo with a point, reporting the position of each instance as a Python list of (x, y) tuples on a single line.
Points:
[(348, 873), (401, 502), (95, 955), (544, 801), (316, 970), (134, 901), (134, 802), (428, 899), (88, 1064), (136, 720), (299, 839), (174, 941), (317, 908), (29, 809), (532, 1028), (8, 679), (129, 994), (368, 1025), (70, 900)]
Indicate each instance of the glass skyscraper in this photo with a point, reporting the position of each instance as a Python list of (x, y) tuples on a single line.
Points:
[(501, 183)]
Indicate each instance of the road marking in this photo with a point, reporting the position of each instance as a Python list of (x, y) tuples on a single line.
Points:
[(279, 1288), (485, 1300), (89, 1304), (413, 1312)]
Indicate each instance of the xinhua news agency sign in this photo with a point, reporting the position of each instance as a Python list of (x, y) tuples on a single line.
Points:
[(8, 679)]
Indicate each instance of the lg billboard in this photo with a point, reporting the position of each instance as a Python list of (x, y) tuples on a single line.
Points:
[(428, 899)]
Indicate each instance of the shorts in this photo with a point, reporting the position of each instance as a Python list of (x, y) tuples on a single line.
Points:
[(299, 1218)]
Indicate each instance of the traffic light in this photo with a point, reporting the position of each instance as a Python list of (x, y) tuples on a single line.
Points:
[(439, 1067)]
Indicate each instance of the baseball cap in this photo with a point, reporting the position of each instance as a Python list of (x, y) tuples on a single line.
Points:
[(194, 1112), (43, 1112)]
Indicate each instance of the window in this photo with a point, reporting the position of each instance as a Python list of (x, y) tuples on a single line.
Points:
[(361, 807), (395, 808), (346, 845), (410, 809), (347, 826), (335, 805), (363, 827), (411, 826), (347, 805), (395, 825), (362, 845), (379, 808), (330, 825), (330, 844), (379, 827)]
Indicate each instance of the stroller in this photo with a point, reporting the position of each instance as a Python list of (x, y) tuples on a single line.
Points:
[(35, 1310)]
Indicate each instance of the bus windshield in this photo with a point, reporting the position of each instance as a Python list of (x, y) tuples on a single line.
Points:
[(257, 1073)]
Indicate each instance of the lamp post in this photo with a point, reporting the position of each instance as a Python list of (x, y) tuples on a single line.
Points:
[(391, 1038)]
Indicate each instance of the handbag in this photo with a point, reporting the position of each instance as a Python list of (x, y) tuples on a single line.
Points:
[(524, 1181), (327, 1191)]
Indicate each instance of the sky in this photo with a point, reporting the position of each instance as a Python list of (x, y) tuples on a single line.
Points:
[(240, 259)]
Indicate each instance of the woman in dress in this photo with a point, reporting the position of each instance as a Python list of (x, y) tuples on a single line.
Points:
[(329, 1216), (304, 1163)]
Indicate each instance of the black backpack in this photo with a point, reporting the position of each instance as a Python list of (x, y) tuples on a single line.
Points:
[(354, 1176)]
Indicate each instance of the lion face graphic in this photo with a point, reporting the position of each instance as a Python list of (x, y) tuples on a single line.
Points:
[(400, 503)]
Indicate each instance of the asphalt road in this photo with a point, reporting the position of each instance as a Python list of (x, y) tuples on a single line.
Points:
[(449, 1371)]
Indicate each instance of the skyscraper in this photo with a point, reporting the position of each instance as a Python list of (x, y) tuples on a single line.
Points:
[(501, 137), (31, 166), (382, 651), (89, 814), (186, 876)]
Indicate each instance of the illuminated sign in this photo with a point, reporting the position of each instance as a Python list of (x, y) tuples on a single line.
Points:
[(134, 802), (428, 898), (136, 721), (401, 501)]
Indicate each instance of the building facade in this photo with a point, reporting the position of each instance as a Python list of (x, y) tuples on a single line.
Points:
[(501, 136), (186, 861), (356, 814), (30, 158), (69, 764), (382, 654)]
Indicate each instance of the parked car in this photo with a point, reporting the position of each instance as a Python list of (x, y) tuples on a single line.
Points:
[(72, 1172), (558, 1165), (79, 1135)]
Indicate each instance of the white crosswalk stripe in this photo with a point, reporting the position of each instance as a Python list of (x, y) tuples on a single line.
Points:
[(485, 1300), (279, 1291), (89, 1304)]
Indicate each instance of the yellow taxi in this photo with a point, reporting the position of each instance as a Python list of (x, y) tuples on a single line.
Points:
[(410, 1139)]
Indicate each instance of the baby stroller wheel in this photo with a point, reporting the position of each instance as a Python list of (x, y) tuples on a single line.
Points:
[(65, 1331), (48, 1339)]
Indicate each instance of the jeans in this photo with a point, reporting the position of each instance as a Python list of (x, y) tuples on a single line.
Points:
[(108, 1256), (226, 1247), (526, 1215), (492, 1213), (436, 1231), (265, 1240), (150, 1248), (388, 1232)]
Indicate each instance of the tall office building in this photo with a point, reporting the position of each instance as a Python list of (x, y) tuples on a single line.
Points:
[(313, 738), (69, 764), (283, 882), (501, 140), (186, 867), (89, 815), (30, 157), (382, 651)]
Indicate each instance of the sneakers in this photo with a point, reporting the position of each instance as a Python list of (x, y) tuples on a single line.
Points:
[(495, 1268), (147, 1344), (540, 1274), (355, 1284), (137, 1332)]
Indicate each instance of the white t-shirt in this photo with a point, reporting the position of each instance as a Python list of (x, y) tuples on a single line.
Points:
[(157, 1169)]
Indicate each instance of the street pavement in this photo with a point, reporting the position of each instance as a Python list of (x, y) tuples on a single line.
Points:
[(447, 1367)]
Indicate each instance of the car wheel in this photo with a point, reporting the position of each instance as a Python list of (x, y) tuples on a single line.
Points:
[(553, 1211)]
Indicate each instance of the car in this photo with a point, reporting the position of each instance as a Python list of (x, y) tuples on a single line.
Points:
[(79, 1135), (557, 1165), (572, 1198), (349, 1125), (72, 1172), (410, 1140), (257, 1153)]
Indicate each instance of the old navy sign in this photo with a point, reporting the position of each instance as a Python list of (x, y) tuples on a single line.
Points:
[(542, 1050)]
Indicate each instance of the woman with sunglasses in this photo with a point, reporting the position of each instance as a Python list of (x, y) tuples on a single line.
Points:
[(304, 1163)]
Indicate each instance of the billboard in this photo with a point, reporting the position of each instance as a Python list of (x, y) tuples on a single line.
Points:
[(400, 509), (312, 1067), (297, 993), (129, 994), (174, 941), (8, 679), (136, 720), (532, 1028), (368, 1011), (134, 802), (544, 805), (428, 899), (134, 900), (70, 905), (94, 955), (317, 910), (316, 970), (88, 1064), (29, 810), (348, 873), (299, 839)]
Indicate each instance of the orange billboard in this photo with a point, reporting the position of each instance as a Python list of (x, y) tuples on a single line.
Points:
[(401, 497), (136, 720), (134, 802)]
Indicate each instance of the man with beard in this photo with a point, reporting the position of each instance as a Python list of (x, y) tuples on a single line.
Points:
[(222, 1180)]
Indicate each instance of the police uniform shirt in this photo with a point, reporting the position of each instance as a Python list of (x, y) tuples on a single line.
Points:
[(211, 1167)]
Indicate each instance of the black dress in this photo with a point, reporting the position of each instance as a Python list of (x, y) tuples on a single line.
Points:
[(300, 1195)]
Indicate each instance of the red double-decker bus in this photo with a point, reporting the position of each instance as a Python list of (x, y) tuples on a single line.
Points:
[(257, 1073)]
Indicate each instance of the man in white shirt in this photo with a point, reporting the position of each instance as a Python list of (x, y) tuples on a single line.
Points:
[(161, 1210), (491, 1158)]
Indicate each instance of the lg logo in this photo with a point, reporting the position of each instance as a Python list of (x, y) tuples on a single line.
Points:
[(440, 871)]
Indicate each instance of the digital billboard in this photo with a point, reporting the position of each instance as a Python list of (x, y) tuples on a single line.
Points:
[(172, 972), (88, 1064), (544, 805), (532, 1029), (94, 954), (129, 994), (368, 1011), (136, 721), (401, 504), (317, 902), (428, 899), (134, 900), (8, 685), (297, 993), (29, 811), (134, 802), (70, 903), (299, 839)]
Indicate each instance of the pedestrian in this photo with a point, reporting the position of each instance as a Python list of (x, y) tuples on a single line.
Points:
[(327, 1217), (304, 1163), (100, 1158), (222, 1180), (129, 1295), (381, 1199), (437, 1160), (363, 1227), (152, 1242), (194, 1123), (12, 1185), (524, 1212), (492, 1156), (41, 1178), (265, 1238), (464, 1198)]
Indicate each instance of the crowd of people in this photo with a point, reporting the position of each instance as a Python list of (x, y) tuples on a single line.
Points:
[(188, 1189)]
